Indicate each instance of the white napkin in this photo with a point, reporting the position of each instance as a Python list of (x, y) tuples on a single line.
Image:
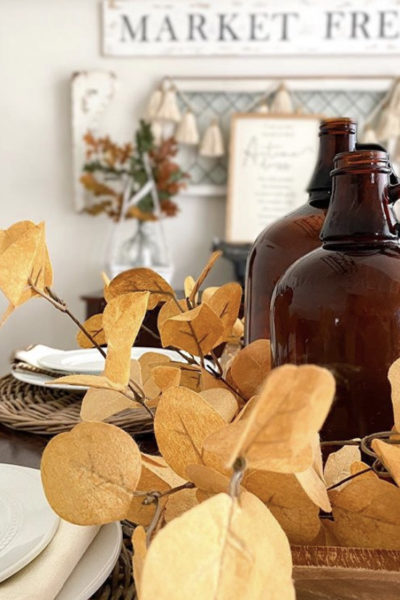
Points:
[(44, 577), (33, 355)]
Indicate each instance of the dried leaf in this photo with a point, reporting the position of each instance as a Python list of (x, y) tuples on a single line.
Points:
[(211, 262), (17, 263), (225, 302), (139, 544), (237, 547), (122, 319), (389, 455), (140, 280), (279, 432), (178, 503), (286, 499), (183, 419), (394, 378), (195, 331), (91, 381), (208, 293), (99, 404), (170, 309), (94, 325), (367, 514), (90, 473), (338, 465), (223, 401), (165, 377), (315, 488), (250, 367), (156, 475), (209, 481), (188, 286)]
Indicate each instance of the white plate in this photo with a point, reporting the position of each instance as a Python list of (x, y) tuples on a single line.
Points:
[(90, 361), (43, 380), (95, 565), (27, 523)]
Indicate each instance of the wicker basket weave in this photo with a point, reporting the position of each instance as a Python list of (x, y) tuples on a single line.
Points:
[(46, 411)]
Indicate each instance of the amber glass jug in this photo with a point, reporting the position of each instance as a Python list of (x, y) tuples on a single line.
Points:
[(339, 306), (296, 234)]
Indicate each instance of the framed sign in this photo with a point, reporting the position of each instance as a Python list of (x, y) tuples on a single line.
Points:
[(271, 162), (250, 27)]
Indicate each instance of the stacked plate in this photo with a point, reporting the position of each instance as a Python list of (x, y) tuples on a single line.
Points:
[(41, 364), (31, 537)]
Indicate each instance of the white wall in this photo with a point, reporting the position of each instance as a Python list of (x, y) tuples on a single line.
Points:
[(41, 43)]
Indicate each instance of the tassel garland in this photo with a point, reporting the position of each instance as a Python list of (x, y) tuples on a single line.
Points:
[(153, 105), (282, 102), (187, 132), (168, 110), (212, 144)]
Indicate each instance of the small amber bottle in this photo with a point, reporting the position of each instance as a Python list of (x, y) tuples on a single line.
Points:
[(296, 234), (339, 306)]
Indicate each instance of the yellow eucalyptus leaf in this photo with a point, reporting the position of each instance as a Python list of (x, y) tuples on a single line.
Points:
[(180, 502), (338, 465), (171, 309), (367, 514), (250, 367), (183, 419), (100, 404), (122, 319), (315, 488), (17, 263), (225, 302), (165, 376), (236, 545), (223, 401), (90, 473), (286, 499), (279, 433), (93, 325), (389, 455), (139, 543), (208, 481), (203, 275), (94, 381), (140, 280), (195, 331), (208, 293)]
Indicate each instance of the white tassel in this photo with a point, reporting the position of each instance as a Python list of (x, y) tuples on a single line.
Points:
[(263, 108), (396, 152), (157, 130), (282, 102), (187, 132), (153, 105), (212, 144), (388, 125), (369, 136), (168, 110)]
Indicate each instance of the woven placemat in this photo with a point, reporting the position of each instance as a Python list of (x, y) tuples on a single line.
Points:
[(120, 586), (46, 411)]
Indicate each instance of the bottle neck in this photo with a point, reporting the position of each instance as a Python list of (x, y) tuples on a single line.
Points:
[(334, 139), (360, 211)]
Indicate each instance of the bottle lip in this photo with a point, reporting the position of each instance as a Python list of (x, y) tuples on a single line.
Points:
[(361, 160), (337, 126)]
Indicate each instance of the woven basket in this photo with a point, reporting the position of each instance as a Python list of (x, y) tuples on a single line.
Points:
[(46, 411)]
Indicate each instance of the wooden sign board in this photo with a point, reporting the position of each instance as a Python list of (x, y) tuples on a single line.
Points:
[(250, 27), (270, 164)]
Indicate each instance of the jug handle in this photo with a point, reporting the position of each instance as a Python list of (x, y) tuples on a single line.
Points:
[(394, 192)]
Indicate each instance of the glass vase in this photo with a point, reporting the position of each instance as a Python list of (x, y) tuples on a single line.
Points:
[(147, 247)]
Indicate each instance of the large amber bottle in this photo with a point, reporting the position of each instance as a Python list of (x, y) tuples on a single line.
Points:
[(339, 306), (296, 234)]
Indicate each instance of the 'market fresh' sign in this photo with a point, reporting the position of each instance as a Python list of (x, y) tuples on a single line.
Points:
[(229, 27)]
